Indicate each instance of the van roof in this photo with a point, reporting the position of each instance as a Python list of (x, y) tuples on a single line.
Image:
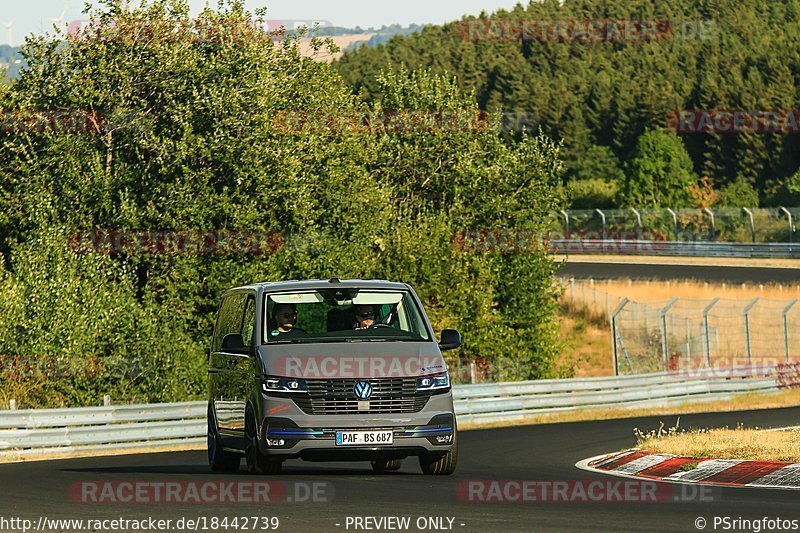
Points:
[(316, 284)]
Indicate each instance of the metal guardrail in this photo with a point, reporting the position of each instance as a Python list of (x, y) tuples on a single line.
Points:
[(42, 433), (674, 248)]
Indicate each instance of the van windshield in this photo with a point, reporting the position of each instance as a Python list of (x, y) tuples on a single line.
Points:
[(343, 315)]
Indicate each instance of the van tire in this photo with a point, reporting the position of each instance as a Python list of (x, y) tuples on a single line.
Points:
[(386, 465), (257, 463), (440, 465), (218, 459)]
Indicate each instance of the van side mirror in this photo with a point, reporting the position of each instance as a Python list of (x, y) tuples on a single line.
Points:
[(234, 343), (451, 340)]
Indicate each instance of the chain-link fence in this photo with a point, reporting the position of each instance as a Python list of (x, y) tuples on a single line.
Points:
[(689, 334), (735, 225)]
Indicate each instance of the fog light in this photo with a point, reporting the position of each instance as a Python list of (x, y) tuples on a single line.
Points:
[(444, 439), (275, 442)]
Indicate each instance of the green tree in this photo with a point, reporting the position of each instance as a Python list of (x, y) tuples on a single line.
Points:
[(218, 127), (659, 173)]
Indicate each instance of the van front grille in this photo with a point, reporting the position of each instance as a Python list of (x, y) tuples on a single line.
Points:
[(337, 397)]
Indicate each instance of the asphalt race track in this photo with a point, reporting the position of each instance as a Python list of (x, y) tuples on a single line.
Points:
[(727, 274), (533, 453)]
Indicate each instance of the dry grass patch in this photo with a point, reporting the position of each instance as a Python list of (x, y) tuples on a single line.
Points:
[(587, 350), (659, 291), (743, 444)]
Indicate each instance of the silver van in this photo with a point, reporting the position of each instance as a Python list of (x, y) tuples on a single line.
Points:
[(329, 371)]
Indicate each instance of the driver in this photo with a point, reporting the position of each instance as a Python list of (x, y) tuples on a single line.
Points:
[(285, 316), (365, 316)]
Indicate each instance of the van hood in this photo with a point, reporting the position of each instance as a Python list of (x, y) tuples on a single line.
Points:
[(356, 360)]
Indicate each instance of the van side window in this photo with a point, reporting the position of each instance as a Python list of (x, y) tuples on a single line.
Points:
[(249, 323), (230, 318)]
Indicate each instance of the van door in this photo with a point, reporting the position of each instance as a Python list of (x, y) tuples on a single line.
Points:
[(231, 360)]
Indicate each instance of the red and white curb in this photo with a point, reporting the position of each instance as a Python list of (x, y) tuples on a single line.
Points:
[(639, 464)]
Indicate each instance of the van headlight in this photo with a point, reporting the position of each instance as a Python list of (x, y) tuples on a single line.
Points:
[(284, 385), (437, 382)]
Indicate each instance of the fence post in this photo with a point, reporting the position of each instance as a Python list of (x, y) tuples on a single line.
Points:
[(617, 311), (752, 223), (665, 342), (713, 223), (566, 224), (791, 224), (747, 310), (639, 222), (572, 292), (785, 317), (674, 222), (706, 311), (605, 231)]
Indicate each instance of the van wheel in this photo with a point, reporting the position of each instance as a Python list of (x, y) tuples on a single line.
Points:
[(258, 463), (440, 465), (386, 465), (218, 459)]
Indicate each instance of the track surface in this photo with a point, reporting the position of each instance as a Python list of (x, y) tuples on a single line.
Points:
[(730, 274), (540, 453)]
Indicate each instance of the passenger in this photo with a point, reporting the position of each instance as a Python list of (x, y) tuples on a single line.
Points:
[(365, 316), (285, 317)]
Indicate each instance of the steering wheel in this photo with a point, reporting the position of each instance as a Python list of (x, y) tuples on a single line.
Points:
[(376, 326)]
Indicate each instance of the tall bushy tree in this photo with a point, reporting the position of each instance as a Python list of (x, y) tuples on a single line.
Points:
[(201, 130), (660, 172)]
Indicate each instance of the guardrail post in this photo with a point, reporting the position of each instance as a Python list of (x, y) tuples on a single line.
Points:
[(706, 311), (747, 310), (12, 404), (605, 232), (614, 346), (713, 223), (665, 339), (674, 222), (785, 316), (752, 223), (791, 224), (106, 401)]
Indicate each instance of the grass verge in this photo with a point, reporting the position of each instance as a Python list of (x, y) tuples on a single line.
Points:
[(743, 444)]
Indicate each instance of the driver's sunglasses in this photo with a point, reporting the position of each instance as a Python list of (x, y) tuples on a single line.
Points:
[(367, 314), (288, 315)]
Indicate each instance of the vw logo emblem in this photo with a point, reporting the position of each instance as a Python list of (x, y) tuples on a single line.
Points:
[(363, 390)]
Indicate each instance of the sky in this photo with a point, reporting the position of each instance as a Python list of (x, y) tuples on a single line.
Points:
[(35, 16)]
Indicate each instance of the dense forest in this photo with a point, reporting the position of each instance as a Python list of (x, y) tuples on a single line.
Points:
[(173, 129), (612, 98)]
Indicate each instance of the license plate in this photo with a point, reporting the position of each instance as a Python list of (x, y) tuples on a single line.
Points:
[(364, 438)]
